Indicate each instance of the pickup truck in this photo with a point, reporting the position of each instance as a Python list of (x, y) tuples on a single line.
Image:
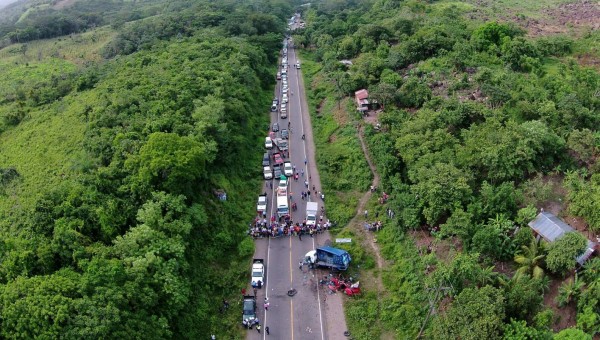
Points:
[(261, 205), (249, 308), (281, 144), (258, 273)]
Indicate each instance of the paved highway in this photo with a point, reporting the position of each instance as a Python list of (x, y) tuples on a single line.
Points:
[(311, 313)]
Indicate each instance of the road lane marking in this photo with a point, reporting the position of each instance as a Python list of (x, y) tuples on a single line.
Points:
[(291, 283), (267, 282), (308, 176)]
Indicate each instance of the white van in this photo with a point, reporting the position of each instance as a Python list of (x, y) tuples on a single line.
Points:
[(268, 143)]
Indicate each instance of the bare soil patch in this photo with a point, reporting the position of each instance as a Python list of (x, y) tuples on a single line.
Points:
[(589, 60), (63, 4), (443, 249), (574, 17), (564, 317), (373, 117), (339, 114)]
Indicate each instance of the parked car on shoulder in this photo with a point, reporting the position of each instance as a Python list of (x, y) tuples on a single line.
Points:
[(261, 204), (267, 173), (249, 309), (266, 159), (275, 127), (268, 143)]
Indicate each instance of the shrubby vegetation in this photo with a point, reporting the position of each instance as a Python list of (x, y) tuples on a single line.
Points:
[(480, 123), (125, 237)]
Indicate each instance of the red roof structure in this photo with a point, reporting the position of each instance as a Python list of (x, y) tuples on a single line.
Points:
[(362, 99)]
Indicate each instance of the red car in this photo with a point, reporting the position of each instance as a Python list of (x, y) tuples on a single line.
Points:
[(277, 159)]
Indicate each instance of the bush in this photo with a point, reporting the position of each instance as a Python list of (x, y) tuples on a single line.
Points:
[(563, 252)]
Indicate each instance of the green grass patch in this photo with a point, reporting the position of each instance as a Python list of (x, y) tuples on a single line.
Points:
[(456, 5), (21, 76), (43, 149), (344, 172), (76, 48)]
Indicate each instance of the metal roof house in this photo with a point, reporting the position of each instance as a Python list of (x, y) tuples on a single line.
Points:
[(551, 228), (362, 100)]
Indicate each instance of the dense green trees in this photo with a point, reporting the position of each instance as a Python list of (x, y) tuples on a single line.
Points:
[(476, 314), (562, 252), (133, 243), (478, 119)]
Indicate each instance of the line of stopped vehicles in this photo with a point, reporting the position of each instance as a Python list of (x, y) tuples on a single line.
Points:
[(276, 167)]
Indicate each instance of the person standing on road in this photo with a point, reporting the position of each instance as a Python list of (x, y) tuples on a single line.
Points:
[(267, 330), (258, 328), (305, 161), (302, 172)]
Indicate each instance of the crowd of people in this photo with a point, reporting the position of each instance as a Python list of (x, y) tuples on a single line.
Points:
[(273, 228), (375, 226)]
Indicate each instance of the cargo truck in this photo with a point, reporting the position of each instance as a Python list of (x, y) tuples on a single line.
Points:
[(311, 213), (328, 257)]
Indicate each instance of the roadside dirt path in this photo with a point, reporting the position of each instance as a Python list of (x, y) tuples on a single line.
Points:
[(356, 221)]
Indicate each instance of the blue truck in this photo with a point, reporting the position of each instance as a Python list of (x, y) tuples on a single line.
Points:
[(330, 257)]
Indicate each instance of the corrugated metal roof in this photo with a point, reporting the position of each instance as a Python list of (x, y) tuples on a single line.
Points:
[(589, 250), (549, 226)]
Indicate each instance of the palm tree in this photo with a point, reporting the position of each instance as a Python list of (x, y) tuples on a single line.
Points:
[(530, 259), (569, 291)]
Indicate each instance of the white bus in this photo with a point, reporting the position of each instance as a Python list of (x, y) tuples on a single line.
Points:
[(282, 206)]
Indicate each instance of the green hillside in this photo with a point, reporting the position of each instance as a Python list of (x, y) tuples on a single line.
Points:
[(113, 140), (490, 115)]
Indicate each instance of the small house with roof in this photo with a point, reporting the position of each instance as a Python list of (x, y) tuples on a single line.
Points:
[(362, 100), (551, 228)]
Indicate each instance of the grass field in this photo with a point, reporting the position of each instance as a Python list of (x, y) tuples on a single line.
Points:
[(43, 149), (501, 8), (46, 144), (75, 48)]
